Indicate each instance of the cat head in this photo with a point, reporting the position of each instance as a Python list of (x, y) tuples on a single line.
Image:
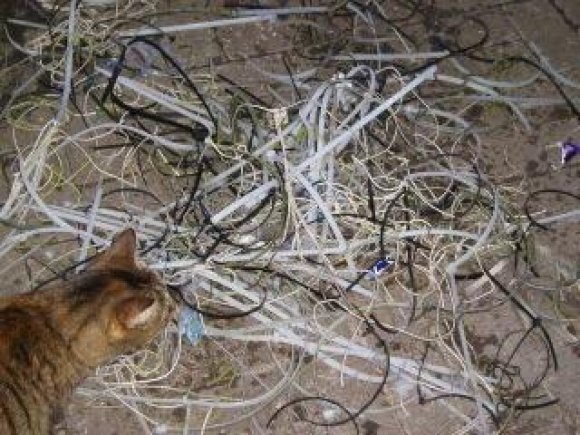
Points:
[(115, 305)]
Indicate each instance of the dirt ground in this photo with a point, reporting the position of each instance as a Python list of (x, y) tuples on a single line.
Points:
[(511, 156)]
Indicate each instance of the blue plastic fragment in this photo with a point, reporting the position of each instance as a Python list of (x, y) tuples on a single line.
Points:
[(191, 325), (381, 266), (568, 150)]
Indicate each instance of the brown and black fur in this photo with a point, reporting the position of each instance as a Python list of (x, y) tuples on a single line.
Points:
[(52, 339)]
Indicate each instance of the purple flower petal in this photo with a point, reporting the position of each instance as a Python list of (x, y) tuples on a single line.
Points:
[(568, 151), (381, 266)]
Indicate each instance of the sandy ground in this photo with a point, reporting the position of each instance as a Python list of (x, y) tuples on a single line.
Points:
[(517, 157)]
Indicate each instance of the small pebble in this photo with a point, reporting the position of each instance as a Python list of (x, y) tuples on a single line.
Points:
[(331, 414)]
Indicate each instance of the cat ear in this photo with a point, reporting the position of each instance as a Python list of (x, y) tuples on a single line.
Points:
[(120, 255), (136, 311)]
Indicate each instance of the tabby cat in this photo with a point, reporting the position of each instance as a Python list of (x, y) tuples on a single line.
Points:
[(52, 339)]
